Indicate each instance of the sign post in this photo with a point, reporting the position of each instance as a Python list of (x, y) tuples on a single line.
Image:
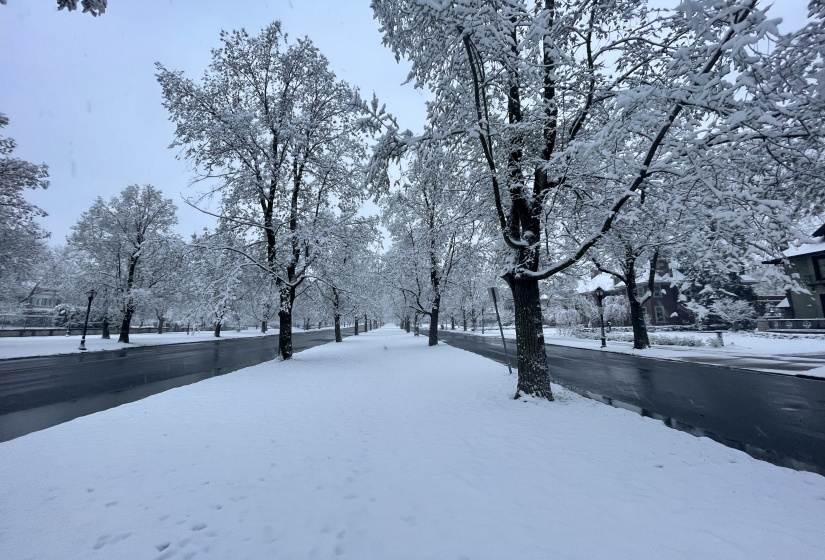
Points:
[(494, 295)]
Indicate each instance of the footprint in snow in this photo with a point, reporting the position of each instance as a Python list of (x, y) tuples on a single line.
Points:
[(109, 538)]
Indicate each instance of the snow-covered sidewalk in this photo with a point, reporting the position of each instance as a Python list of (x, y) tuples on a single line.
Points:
[(382, 448)]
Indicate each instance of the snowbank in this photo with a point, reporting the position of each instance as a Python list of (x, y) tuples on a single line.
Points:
[(380, 447)]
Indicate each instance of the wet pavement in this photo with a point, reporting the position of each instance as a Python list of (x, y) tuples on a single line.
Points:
[(776, 417), (39, 392)]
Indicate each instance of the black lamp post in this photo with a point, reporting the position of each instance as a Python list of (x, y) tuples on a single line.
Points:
[(599, 298), (91, 295)]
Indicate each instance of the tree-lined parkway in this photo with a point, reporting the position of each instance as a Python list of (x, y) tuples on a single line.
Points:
[(559, 133)]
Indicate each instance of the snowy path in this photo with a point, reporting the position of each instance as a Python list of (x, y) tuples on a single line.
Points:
[(382, 448)]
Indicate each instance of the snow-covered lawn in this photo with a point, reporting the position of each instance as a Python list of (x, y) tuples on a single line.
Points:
[(776, 349), (382, 448), (22, 346)]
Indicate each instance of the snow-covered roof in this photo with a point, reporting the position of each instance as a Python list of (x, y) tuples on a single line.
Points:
[(602, 280), (805, 249), (669, 279)]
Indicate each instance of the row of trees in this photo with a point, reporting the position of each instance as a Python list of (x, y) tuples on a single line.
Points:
[(126, 250), (561, 136), (607, 130)]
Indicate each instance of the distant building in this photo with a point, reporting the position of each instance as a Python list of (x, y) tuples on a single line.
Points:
[(807, 261), (41, 300), (663, 307)]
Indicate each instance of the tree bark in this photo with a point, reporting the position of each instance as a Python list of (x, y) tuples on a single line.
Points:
[(161, 321), (287, 298), (126, 324), (407, 323), (263, 326), (356, 326), (433, 340), (637, 317), (415, 324), (533, 376), (366, 323), (106, 335), (218, 329), (336, 315)]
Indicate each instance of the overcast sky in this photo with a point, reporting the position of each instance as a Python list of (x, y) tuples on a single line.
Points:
[(81, 95)]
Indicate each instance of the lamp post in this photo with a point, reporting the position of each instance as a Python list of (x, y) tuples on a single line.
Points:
[(91, 295), (599, 298)]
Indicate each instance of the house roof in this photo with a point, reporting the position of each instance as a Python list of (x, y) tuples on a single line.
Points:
[(805, 249), (602, 280), (820, 232)]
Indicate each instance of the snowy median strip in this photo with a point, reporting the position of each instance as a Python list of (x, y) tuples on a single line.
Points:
[(378, 448)]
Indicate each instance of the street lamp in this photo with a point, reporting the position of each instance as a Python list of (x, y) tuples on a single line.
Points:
[(91, 295), (599, 298)]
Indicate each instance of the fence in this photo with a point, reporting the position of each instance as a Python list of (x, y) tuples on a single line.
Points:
[(796, 325)]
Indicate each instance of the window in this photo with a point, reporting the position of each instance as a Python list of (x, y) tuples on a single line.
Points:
[(819, 267), (658, 291), (660, 315)]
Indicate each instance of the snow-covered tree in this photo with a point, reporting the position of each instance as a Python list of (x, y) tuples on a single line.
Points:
[(125, 247), (343, 276), (575, 107), (733, 311), (273, 127), (21, 237), (94, 7), (216, 278), (434, 218)]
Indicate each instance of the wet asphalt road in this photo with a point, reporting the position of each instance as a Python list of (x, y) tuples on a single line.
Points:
[(39, 392), (776, 417)]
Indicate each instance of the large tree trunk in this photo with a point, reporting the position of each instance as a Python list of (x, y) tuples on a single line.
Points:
[(106, 334), (415, 324), (218, 329), (161, 321), (129, 308), (366, 323), (407, 324), (637, 317), (336, 315), (126, 324), (263, 326), (533, 376), (433, 340), (287, 298), (355, 327)]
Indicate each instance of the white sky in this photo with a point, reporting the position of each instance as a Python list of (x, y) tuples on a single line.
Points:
[(81, 95)]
